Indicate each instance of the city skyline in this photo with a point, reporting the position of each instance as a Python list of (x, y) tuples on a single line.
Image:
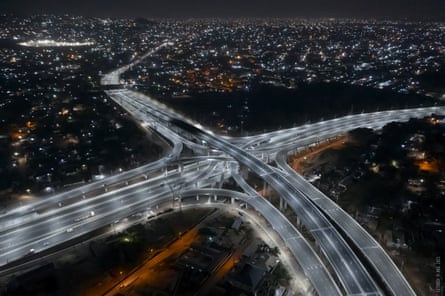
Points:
[(391, 9)]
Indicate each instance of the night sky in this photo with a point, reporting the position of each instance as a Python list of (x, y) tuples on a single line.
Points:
[(389, 9)]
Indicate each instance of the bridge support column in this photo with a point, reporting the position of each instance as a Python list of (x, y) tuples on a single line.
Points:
[(265, 189), (283, 204), (197, 197), (232, 200), (317, 248), (221, 181)]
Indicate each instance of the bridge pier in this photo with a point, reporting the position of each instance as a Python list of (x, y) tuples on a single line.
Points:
[(215, 196), (265, 189), (317, 248), (283, 204), (221, 181)]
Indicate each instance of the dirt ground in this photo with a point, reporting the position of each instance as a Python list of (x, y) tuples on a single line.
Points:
[(311, 158)]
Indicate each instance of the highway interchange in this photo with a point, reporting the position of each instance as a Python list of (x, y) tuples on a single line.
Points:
[(333, 265)]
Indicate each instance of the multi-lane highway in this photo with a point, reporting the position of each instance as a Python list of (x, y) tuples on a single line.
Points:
[(351, 273), (349, 270), (18, 214), (335, 270), (395, 282), (54, 225), (312, 266), (113, 78)]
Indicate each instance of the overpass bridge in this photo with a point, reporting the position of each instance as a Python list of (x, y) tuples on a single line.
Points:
[(332, 265)]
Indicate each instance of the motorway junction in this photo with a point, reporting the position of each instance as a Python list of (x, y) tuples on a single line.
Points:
[(343, 260)]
